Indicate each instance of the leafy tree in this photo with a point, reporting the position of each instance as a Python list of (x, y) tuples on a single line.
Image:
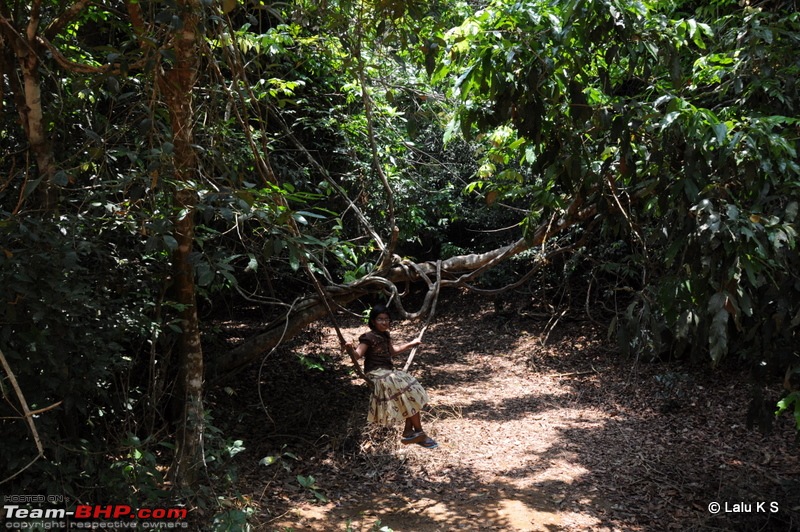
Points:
[(679, 131)]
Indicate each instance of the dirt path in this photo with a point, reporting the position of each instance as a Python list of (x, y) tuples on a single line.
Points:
[(534, 436)]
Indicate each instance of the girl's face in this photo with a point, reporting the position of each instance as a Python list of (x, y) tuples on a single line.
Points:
[(382, 322)]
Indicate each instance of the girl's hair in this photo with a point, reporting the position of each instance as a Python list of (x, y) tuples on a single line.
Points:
[(376, 311)]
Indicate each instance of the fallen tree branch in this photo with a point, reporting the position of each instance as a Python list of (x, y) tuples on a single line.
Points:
[(453, 272)]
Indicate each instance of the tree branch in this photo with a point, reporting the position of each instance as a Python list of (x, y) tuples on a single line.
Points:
[(453, 272), (26, 412), (60, 22)]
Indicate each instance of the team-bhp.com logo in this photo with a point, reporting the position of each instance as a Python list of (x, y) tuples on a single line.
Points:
[(94, 516)]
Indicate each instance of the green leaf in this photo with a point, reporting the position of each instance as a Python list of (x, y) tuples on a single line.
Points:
[(312, 215), (791, 211), (786, 403), (669, 119), (721, 132), (61, 179), (30, 186), (268, 460), (294, 259), (718, 336), (306, 482), (205, 275)]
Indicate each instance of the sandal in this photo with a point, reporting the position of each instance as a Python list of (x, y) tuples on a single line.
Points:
[(428, 443), (414, 437)]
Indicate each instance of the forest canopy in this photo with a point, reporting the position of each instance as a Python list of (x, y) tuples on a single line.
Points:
[(167, 162)]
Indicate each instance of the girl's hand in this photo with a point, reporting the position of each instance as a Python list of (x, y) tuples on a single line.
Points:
[(351, 349)]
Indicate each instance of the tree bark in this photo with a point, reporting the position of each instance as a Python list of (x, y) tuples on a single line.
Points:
[(28, 99), (175, 82), (189, 435)]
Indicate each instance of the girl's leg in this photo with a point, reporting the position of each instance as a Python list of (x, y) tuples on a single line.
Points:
[(413, 424)]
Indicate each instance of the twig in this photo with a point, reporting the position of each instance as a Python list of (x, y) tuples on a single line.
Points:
[(34, 412), (573, 373), (264, 361), (45, 409), (28, 415)]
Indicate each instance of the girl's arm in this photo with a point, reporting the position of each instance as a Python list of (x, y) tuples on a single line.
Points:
[(404, 347), (356, 352), (361, 350)]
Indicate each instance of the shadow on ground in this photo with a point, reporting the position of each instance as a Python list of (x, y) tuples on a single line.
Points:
[(556, 436)]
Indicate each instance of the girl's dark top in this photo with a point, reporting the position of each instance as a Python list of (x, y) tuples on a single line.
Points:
[(378, 355)]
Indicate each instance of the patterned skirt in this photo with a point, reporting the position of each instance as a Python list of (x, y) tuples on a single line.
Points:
[(396, 396)]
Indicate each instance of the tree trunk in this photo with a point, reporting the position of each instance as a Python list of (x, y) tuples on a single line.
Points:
[(189, 453), (176, 82), (28, 99)]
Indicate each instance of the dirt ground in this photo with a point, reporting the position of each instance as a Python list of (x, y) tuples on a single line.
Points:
[(541, 425)]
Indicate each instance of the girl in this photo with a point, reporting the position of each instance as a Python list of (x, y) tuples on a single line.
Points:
[(396, 395)]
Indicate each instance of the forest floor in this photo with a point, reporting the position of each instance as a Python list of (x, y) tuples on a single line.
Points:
[(542, 426)]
